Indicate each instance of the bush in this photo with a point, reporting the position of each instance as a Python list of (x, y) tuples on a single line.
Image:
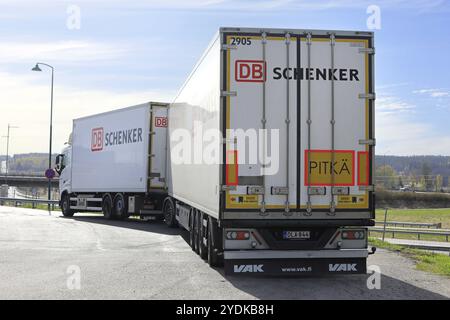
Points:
[(411, 200)]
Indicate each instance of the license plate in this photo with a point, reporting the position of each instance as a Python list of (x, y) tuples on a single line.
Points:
[(295, 235)]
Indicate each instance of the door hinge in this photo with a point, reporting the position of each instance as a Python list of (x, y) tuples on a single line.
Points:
[(228, 188), (370, 142), (370, 96), (279, 190), (340, 191), (317, 191), (228, 46), (367, 188), (228, 94), (230, 140), (367, 50), (255, 190)]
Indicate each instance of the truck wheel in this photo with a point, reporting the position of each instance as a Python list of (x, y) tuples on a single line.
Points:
[(169, 213), (107, 207), (214, 259), (65, 206), (202, 234), (120, 207)]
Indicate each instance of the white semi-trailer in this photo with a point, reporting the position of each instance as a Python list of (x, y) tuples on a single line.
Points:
[(115, 162), (272, 151)]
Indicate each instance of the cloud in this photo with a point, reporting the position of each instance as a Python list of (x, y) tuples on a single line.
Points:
[(60, 51), (26, 104), (400, 132), (386, 104), (434, 93)]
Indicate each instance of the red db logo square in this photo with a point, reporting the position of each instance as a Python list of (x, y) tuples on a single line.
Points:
[(161, 122), (97, 139), (250, 70)]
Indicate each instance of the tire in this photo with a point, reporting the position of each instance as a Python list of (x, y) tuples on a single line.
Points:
[(214, 259), (107, 207), (120, 207), (202, 249), (65, 206), (191, 229), (195, 229), (169, 213)]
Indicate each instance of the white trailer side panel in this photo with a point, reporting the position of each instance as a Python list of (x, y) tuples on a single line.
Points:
[(110, 151), (196, 110)]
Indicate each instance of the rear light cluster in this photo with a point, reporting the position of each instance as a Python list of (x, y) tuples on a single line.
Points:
[(238, 235), (353, 234)]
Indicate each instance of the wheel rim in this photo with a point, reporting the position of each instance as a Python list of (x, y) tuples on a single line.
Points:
[(119, 206)]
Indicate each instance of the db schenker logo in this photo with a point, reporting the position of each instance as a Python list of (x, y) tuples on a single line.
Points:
[(250, 71), (97, 139)]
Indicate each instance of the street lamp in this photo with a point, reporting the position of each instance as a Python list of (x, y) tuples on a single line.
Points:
[(37, 68), (7, 152)]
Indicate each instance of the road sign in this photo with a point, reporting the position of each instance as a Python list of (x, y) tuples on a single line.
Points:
[(49, 173)]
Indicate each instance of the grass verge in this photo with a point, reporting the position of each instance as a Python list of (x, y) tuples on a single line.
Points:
[(417, 215), (426, 261)]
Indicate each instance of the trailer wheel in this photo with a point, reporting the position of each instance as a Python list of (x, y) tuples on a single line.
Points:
[(214, 259), (169, 213), (191, 229), (120, 207), (65, 206), (195, 230), (107, 207), (202, 248)]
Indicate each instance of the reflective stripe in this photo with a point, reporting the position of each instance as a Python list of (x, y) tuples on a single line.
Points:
[(232, 168)]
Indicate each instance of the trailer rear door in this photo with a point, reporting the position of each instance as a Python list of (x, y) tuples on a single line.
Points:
[(158, 146), (310, 98)]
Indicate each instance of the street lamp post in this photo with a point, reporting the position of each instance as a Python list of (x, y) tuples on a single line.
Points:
[(36, 68)]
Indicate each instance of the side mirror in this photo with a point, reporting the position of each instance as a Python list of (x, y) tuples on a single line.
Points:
[(59, 166)]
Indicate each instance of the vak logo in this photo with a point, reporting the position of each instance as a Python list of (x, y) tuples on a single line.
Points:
[(250, 71), (248, 268), (161, 122), (97, 139), (342, 267)]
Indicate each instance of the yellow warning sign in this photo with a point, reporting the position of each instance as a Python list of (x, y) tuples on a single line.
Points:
[(321, 165), (242, 201), (351, 199)]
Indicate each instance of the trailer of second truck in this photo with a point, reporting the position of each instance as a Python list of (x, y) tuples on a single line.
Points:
[(115, 163), (272, 146)]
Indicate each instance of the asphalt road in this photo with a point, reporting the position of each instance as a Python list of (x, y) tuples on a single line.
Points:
[(41, 256)]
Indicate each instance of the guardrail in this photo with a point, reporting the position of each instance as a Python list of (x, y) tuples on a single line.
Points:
[(411, 224), (18, 201), (445, 234)]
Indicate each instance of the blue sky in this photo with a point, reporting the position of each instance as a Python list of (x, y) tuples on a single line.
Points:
[(128, 52)]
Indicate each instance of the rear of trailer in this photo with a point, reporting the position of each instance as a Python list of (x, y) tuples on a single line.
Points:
[(293, 190)]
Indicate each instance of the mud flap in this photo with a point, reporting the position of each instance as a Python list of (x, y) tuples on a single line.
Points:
[(317, 266)]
